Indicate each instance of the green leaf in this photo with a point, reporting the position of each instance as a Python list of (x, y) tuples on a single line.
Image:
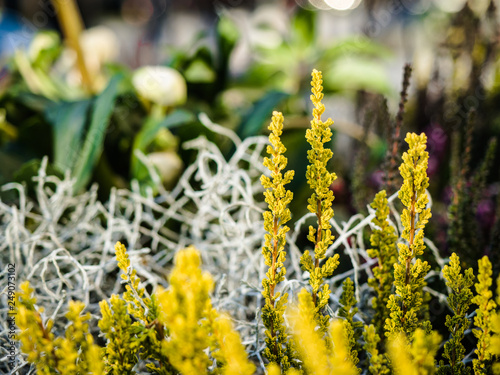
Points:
[(68, 121), (94, 139), (35, 102), (304, 27), (227, 37), (260, 114)]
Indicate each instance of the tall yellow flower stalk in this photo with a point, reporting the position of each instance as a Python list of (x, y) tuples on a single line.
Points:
[(319, 357), (483, 320), (320, 203), (417, 358), (409, 272), (278, 349)]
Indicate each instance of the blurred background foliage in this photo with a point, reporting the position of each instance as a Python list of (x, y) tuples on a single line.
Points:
[(109, 88)]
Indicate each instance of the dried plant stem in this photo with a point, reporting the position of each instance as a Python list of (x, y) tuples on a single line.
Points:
[(395, 135), (72, 25)]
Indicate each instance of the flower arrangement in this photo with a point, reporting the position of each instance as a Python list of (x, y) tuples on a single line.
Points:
[(177, 330)]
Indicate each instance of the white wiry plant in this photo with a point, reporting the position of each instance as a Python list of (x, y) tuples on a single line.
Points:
[(63, 243)]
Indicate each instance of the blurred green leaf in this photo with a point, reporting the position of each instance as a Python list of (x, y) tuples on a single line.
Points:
[(45, 48), (356, 74), (199, 71), (227, 36), (227, 31), (68, 121), (260, 113), (355, 46), (295, 141), (304, 28), (93, 144), (33, 101)]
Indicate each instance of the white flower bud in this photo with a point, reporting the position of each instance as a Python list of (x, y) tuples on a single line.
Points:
[(161, 85), (169, 165)]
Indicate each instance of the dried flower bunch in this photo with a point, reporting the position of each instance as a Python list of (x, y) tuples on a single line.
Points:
[(177, 329)]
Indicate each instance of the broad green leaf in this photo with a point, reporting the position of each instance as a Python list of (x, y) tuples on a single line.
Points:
[(94, 139), (68, 121), (35, 102)]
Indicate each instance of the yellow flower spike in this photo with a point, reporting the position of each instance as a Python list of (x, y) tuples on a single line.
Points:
[(340, 354), (407, 304), (120, 354), (485, 312), (231, 352), (122, 258), (278, 349), (193, 325), (320, 202), (182, 306), (309, 342), (417, 358), (138, 305), (378, 360), (400, 358), (50, 354), (383, 241), (316, 355), (423, 351), (459, 301)]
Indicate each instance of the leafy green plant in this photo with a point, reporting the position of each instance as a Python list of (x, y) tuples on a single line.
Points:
[(178, 331)]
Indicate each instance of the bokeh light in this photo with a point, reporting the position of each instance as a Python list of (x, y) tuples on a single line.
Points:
[(342, 4)]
